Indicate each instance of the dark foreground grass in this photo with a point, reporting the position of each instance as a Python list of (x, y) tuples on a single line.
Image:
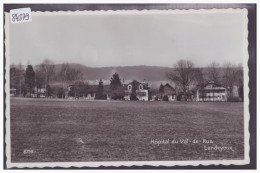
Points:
[(122, 131)]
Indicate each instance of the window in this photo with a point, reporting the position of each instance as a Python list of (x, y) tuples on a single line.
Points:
[(142, 94), (129, 87), (141, 87)]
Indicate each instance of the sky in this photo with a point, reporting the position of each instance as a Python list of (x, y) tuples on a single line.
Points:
[(128, 40)]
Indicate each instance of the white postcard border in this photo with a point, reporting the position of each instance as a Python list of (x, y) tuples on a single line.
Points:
[(246, 160)]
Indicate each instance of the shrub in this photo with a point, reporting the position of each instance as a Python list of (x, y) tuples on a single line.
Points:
[(101, 97), (234, 99), (133, 97), (165, 98), (117, 96)]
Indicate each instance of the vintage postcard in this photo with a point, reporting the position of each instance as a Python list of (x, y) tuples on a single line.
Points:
[(126, 87)]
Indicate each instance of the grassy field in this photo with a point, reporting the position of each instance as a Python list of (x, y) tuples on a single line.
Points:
[(49, 131)]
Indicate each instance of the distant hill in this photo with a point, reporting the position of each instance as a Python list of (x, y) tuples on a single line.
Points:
[(148, 73), (155, 75)]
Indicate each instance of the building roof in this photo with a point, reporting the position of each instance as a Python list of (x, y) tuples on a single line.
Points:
[(214, 83), (166, 89), (135, 84), (94, 88), (169, 86), (215, 86)]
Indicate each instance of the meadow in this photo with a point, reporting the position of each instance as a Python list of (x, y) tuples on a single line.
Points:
[(71, 131)]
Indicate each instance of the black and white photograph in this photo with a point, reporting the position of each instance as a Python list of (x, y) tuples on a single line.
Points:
[(126, 87)]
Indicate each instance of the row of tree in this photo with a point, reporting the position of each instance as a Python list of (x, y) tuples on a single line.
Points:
[(184, 75), (24, 81), (67, 79), (34, 79)]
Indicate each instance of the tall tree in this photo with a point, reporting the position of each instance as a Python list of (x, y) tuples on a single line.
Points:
[(182, 75), (13, 77), (100, 95), (30, 78), (229, 78), (199, 82), (161, 89), (39, 79), (49, 90), (16, 77), (69, 76), (116, 87), (133, 95), (63, 74), (47, 67), (74, 75), (240, 81), (115, 81), (213, 72), (21, 78), (78, 89)]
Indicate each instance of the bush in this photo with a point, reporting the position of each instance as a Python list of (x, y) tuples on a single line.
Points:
[(179, 96), (133, 97), (234, 99), (165, 98), (101, 97), (116, 96)]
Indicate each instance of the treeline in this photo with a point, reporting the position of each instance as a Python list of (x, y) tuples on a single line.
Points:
[(185, 75), (40, 76), (188, 78), (68, 80)]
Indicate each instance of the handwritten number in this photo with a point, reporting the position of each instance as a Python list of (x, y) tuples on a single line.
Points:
[(20, 17), (26, 17), (13, 19)]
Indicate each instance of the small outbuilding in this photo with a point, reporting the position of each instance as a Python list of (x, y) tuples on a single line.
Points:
[(167, 92)]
